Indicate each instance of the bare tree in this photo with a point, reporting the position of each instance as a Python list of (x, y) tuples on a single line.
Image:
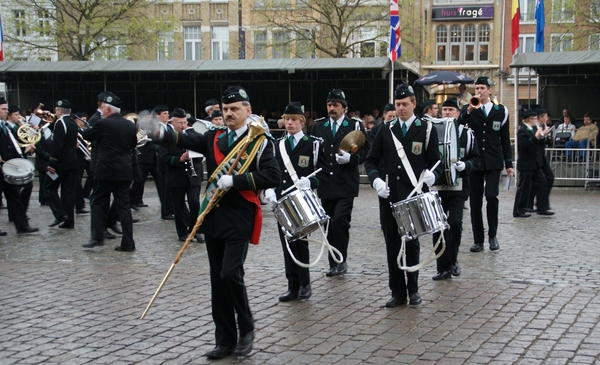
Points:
[(88, 29), (576, 24)]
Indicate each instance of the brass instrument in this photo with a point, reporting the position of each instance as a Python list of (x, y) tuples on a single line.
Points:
[(27, 133), (474, 102), (142, 138), (85, 147)]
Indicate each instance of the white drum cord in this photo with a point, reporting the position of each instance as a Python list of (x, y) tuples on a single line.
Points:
[(431, 256), (335, 253)]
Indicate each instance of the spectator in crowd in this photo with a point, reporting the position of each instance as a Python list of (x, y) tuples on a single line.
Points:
[(376, 117), (585, 134), (430, 108), (464, 97)]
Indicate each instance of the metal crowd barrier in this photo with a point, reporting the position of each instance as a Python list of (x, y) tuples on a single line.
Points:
[(575, 166)]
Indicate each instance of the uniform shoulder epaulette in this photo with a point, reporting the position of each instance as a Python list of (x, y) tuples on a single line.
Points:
[(356, 119), (270, 136), (316, 138), (320, 119), (280, 138), (213, 127)]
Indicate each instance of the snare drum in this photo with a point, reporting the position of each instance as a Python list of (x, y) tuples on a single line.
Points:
[(299, 213), (449, 148), (201, 126), (18, 171), (420, 215)]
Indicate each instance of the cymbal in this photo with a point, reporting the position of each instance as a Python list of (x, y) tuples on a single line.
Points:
[(352, 142)]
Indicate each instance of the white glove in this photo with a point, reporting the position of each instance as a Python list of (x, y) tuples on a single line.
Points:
[(382, 190), (225, 182), (460, 166), (270, 196), (428, 177), (344, 158), (149, 124), (303, 183)]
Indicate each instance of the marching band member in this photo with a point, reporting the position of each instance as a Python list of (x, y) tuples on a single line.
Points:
[(453, 201), (84, 164), (63, 167), (216, 118), (9, 149), (166, 202), (418, 152), (298, 155), (14, 121), (338, 193)]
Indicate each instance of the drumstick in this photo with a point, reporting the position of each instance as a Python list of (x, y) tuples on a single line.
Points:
[(308, 177), (387, 181), (420, 183)]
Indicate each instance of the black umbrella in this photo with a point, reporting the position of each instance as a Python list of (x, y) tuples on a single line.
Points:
[(444, 77)]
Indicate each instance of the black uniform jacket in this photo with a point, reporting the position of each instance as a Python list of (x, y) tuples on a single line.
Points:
[(303, 160), (493, 136), (233, 216), (148, 153), (7, 148), (42, 153), (116, 139), (179, 174), (63, 155), (343, 179), (528, 146), (383, 160)]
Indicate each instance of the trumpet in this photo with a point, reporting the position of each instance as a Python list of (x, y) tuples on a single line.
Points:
[(85, 147), (142, 138), (475, 103)]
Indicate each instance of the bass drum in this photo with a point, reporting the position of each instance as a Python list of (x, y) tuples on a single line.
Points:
[(449, 148), (201, 126)]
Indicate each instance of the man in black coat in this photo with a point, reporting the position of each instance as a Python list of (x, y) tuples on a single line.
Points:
[(42, 157), (338, 193), (116, 137), (454, 197), (63, 167), (547, 141), (184, 176), (166, 201), (420, 146), (298, 156), (9, 149), (235, 220), (491, 126), (529, 165)]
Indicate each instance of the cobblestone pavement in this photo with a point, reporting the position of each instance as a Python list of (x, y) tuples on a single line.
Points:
[(536, 301)]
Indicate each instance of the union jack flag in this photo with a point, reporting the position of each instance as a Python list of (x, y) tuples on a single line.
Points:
[(395, 40)]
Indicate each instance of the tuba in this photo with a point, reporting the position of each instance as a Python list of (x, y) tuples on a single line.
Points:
[(142, 138)]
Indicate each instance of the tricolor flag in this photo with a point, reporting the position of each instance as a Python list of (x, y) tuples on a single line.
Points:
[(516, 18), (1, 41), (395, 41), (540, 22)]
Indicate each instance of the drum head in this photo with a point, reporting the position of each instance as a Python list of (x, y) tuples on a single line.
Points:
[(201, 126), (452, 153), (18, 167)]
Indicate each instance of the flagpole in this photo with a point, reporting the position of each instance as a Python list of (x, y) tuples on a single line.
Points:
[(391, 96)]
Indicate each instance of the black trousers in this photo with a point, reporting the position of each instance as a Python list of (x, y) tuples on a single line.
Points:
[(100, 197), (42, 180), (185, 218), (401, 282), (296, 276), (484, 182), (138, 186), (531, 182), (65, 203), (340, 213), (453, 205), (79, 202), (14, 203), (229, 297), (549, 175)]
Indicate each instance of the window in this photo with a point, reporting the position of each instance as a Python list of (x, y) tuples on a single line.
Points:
[(527, 8), (281, 3), (561, 42), (562, 11), (594, 42), (302, 3), (45, 59), (192, 42), (595, 11), (220, 43), (484, 42), (304, 45), (470, 43), (364, 42), (20, 24), (526, 43), (165, 47), (44, 23), (260, 44), (441, 37), (259, 4), (455, 43), (281, 44)]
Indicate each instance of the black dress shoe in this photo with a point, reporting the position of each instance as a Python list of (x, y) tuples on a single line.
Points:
[(414, 299), (342, 268), (58, 221), (109, 236), (522, 215), (332, 271), (133, 207), (134, 220), (305, 292), (494, 245), (288, 296), (141, 205), (244, 345), (122, 249), (200, 237), (545, 212), (395, 301), (2, 233), (455, 270), (529, 210), (82, 211), (65, 226), (168, 217), (182, 238), (442, 275), (2, 206), (27, 230), (93, 243), (115, 228), (477, 247), (219, 352)]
